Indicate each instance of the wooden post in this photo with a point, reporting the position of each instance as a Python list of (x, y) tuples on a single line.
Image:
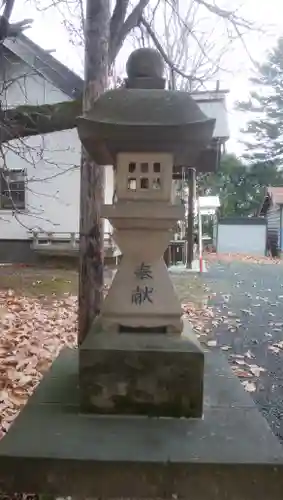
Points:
[(92, 176), (190, 224), (200, 249)]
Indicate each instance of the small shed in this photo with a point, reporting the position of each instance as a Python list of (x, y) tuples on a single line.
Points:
[(208, 205), (271, 209), (246, 235)]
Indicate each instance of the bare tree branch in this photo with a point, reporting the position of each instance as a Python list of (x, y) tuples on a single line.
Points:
[(130, 23), (117, 20), (5, 18), (226, 14), (162, 51), (8, 29), (8, 8)]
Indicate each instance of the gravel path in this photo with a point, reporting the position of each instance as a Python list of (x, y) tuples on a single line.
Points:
[(252, 295)]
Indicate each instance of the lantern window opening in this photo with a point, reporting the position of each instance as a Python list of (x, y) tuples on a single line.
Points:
[(144, 183), (156, 183), (132, 167), (144, 167), (132, 183), (156, 167)]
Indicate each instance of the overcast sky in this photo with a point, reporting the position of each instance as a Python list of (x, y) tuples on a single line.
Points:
[(48, 32)]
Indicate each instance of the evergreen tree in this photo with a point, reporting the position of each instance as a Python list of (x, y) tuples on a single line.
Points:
[(230, 184), (239, 185), (265, 128)]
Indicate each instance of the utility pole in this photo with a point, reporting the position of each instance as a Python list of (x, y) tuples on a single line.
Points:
[(172, 86), (92, 175), (172, 79), (190, 225)]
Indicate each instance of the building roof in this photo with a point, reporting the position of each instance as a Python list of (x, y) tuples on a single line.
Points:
[(213, 105), (46, 65), (209, 201), (208, 204)]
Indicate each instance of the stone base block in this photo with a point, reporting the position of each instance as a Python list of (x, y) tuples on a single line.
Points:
[(142, 374), (55, 450)]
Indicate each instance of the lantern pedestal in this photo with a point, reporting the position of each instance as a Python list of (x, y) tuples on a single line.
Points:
[(142, 295), (139, 358), (141, 374)]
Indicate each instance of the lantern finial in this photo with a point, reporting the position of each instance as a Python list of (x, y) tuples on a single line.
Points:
[(145, 63), (145, 70)]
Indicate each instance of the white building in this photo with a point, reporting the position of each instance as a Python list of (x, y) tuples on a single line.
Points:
[(43, 171)]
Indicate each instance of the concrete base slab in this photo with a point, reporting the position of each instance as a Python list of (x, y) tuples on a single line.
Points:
[(153, 374), (230, 454)]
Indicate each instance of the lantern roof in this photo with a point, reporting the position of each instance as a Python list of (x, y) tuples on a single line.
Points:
[(142, 116)]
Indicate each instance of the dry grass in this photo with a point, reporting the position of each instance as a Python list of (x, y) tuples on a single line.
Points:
[(34, 282), (50, 282)]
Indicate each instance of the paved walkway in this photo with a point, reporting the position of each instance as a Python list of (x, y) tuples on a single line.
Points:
[(252, 294)]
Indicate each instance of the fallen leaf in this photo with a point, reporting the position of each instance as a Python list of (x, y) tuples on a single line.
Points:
[(211, 343), (240, 362), (274, 349), (247, 312), (232, 257), (238, 356), (249, 386), (256, 370), (239, 372), (32, 335), (249, 355)]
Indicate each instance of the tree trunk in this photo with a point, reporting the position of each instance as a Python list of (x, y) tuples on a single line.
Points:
[(190, 225), (92, 175)]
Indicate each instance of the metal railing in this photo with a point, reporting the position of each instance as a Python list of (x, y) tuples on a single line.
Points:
[(66, 242)]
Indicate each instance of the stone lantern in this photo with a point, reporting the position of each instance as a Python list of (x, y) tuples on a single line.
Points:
[(144, 131), (138, 358)]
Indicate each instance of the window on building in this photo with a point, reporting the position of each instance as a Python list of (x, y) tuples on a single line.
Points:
[(12, 189)]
